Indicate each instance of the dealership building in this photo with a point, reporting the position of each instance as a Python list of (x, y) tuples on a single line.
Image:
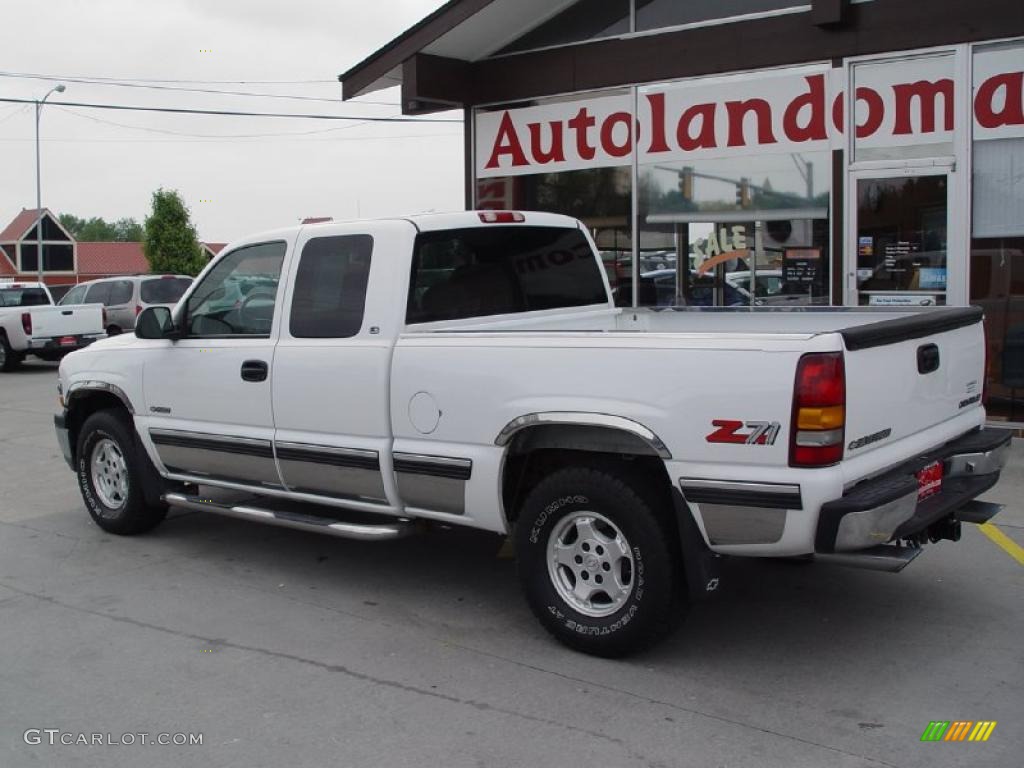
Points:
[(750, 152)]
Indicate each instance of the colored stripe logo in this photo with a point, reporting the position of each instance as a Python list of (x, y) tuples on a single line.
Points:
[(958, 730)]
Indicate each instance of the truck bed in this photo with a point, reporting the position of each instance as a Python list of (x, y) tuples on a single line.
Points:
[(860, 327)]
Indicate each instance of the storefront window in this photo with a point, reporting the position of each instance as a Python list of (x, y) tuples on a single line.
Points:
[(904, 108), (599, 197), (657, 14), (997, 286), (515, 142), (585, 20), (997, 244), (752, 231), (902, 239)]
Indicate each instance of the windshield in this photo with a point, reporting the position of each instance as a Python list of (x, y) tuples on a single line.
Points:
[(23, 297), (164, 290)]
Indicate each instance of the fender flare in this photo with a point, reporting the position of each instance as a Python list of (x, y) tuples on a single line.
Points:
[(79, 388), (585, 419)]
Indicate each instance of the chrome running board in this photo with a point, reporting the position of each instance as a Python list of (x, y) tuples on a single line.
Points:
[(887, 557), (287, 518)]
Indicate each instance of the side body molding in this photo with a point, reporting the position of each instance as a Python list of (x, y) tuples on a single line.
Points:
[(583, 419)]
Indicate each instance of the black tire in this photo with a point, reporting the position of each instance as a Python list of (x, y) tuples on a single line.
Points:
[(9, 359), (656, 599), (124, 512)]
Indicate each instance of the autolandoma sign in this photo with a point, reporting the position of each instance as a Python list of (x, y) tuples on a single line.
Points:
[(906, 102)]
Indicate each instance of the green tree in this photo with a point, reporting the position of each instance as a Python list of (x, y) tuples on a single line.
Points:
[(96, 229), (170, 241), (128, 230)]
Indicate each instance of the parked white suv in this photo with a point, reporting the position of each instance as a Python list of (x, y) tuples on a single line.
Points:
[(124, 298), (472, 369)]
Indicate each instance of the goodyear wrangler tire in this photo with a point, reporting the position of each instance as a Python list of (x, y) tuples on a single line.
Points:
[(109, 470), (595, 562)]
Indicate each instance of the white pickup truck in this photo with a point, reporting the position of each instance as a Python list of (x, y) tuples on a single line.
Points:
[(31, 325), (364, 379)]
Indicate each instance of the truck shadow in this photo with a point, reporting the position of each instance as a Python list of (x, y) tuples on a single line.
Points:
[(30, 367), (458, 581)]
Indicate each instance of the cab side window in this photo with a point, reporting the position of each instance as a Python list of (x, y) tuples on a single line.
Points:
[(330, 287), (237, 297), (75, 295), (99, 293)]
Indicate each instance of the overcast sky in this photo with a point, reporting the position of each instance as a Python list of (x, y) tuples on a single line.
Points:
[(93, 168)]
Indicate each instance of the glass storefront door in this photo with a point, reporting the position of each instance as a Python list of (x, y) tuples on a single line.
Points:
[(899, 223)]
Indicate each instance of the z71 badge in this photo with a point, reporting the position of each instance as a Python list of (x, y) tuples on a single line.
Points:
[(744, 432)]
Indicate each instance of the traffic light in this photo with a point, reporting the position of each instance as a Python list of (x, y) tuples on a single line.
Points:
[(743, 193), (686, 183)]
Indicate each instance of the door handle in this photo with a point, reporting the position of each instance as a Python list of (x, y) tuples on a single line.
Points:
[(254, 370)]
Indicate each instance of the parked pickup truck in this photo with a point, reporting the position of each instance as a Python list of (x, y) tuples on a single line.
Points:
[(31, 325), (364, 379)]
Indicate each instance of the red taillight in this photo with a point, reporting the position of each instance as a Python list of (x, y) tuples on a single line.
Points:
[(26, 323), (138, 310), (501, 217), (104, 309), (819, 411)]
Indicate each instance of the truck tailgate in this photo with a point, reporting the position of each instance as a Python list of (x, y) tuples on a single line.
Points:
[(908, 374), (54, 322)]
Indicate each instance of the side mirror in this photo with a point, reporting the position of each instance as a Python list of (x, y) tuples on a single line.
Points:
[(156, 323)]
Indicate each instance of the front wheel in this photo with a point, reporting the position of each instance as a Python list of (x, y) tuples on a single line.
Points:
[(110, 476), (596, 563)]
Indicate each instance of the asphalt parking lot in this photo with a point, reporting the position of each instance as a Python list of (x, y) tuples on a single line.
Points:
[(285, 648)]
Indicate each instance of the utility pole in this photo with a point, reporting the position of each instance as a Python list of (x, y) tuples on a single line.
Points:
[(39, 186)]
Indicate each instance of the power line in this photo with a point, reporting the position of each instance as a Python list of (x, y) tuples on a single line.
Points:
[(206, 82), (164, 131), (233, 113), (109, 82), (14, 113)]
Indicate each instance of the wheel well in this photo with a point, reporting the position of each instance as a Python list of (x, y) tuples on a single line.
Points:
[(84, 405), (538, 451)]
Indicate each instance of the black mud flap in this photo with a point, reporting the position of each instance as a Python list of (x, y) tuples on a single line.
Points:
[(701, 565)]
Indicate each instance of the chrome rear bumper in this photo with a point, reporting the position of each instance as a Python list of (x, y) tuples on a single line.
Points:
[(886, 508)]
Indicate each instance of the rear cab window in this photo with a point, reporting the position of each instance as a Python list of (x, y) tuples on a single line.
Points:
[(164, 290), (481, 271), (23, 297)]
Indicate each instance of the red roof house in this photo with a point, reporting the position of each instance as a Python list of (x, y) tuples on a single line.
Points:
[(67, 260)]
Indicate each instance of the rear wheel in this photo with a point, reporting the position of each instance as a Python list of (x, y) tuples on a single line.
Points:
[(110, 476), (595, 562), (9, 359)]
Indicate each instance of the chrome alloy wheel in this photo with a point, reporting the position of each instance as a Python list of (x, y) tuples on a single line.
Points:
[(109, 474), (590, 564)]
